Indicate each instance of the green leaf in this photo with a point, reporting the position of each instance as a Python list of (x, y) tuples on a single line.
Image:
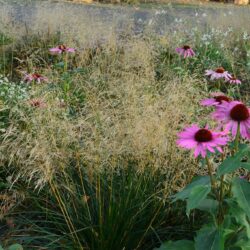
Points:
[(1, 248), (59, 65), (240, 216), (243, 244), (177, 245), (197, 195), (197, 181), (241, 192), (208, 205), (245, 165), (234, 162), (15, 247), (210, 238)]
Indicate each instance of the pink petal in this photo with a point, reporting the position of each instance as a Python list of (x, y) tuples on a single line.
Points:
[(187, 143), (71, 50), (234, 127), (56, 50), (208, 102)]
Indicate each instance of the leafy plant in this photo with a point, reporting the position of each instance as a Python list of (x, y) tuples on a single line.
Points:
[(97, 212), (226, 198), (12, 247), (12, 93)]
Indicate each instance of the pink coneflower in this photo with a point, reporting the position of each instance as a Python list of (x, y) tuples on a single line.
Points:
[(37, 103), (201, 140), (233, 113), (219, 73), (218, 98), (62, 104), (243, 177), (62, 49), (234, 80), (35, 77), (185, 51)]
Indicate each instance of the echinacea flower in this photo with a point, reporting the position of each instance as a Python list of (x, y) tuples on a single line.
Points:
[(218, 73), (243, 177), (185, 51), (201, 140), (61, 49), (37, 103), (234, 80), (35, 77), (217, 99), (232, 114), (62, 104)]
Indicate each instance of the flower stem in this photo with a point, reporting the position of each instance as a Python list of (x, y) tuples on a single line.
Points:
[(65, 62), (220, 212), (237, 139), (210, 171), (219, 84), (235, 150)]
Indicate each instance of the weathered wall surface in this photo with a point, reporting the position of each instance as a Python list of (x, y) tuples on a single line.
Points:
[(241, 2), (238, 2)]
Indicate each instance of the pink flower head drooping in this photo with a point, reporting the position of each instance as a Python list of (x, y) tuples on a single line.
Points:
[(218, 73), (37, 103), (185, 51), (201, 140), (35, 77), (234, 80), (233, 113), (217, 99), (242, 176), (61, 49)]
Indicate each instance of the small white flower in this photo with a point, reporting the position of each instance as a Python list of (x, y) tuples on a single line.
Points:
[(150, 22), (178, 20), (245, 36)]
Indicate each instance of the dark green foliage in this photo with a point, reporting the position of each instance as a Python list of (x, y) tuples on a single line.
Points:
[(103, 211)]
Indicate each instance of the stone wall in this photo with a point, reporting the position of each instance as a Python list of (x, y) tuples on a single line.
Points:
[(238, 2), (241, 2)]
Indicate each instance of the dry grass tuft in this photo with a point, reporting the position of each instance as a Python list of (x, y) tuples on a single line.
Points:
[(127, 116)]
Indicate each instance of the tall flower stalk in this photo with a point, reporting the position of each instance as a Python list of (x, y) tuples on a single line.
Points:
[(64, 50), (222, 197)]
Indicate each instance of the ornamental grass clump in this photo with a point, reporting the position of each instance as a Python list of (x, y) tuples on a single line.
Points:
[(94, 147)]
